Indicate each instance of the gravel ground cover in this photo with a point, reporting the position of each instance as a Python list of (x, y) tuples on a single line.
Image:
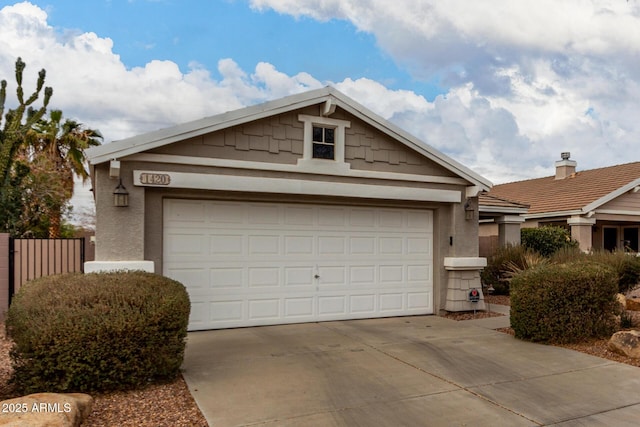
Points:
[(158, 405)]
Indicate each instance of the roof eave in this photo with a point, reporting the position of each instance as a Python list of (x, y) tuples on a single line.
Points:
[(554, 214)]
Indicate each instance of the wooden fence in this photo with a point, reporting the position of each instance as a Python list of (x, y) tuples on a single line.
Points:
[(22, 260)]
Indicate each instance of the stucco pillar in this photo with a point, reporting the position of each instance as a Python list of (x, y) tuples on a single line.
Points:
[(581, 230), (463, 265), (119, 230), (463, 276), (509, 229)]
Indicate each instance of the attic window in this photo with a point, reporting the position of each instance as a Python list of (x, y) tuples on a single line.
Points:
[(324, 142)]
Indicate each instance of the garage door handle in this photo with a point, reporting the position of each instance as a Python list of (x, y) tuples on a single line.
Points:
[(316, 276)]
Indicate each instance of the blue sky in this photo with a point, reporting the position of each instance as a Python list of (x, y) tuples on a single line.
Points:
[(205, 31), (502, 86)]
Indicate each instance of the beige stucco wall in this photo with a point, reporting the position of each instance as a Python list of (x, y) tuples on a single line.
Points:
[(119, 230)]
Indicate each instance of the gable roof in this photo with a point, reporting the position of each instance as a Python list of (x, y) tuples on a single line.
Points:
[(581, 192), (328, 95)]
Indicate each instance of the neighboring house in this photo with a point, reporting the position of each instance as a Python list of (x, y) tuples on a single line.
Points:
[(500, 221), (601, 207), (306, 208)]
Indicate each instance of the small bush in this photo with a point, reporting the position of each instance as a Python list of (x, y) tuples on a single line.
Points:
[(546, 240), (97, 332), (626, 266), (501, 266), (564, 302)]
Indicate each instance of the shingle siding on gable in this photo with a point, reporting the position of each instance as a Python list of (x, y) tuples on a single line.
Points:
[(279, 139)]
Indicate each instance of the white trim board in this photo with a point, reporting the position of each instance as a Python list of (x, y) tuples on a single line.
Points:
[(297, 168), (296, 186)]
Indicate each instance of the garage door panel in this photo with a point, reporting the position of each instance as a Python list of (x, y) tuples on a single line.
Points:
[(299, 307), (418, 273), (268, 263), (187, 212), (418, 246), (264, 214), (332, 217), (299, 276), (195, 277), (298, 245), (267, 276), (391, 245), (264, 309), (418, 300), (299, 215), (186, 244), (331, 275), (264, 245), (225, 311), (227, 244), (362, 274), (391, 273), (334, 305), (226, 213), (226, 277), (362, 304), (392, 302), (332, 245), (362, 245)]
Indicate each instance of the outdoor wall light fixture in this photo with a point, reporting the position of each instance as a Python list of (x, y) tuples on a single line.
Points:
[(469, 210), (120, 196)]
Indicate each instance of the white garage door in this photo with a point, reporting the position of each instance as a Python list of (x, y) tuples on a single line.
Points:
[(247, 264)]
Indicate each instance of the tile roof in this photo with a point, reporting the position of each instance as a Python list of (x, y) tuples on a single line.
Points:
[(569, 194), (486, 199)]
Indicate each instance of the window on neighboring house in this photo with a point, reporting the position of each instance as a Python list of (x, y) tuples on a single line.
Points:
[(323, 143)]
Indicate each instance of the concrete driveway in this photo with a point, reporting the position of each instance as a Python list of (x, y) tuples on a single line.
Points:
[(404, 371)]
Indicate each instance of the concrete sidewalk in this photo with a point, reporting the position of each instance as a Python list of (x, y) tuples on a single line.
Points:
[(404, 371), (493, 322)]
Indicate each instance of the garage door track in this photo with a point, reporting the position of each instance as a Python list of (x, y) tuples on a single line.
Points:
[(403, 371)]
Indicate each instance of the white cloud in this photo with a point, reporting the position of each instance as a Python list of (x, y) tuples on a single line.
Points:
[(527, 80), (559, 76)]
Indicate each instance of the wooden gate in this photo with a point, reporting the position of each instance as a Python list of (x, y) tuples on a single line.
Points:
[(33, 258)]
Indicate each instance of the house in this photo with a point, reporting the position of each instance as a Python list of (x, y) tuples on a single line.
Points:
[(500, 221), (601, 207), (305, 208)]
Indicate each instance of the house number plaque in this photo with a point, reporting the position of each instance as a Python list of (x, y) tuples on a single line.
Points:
[(155, 178)]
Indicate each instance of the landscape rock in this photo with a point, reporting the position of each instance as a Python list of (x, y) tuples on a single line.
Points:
[(46, 410), (622, 300), (633, 304), (626, 343)]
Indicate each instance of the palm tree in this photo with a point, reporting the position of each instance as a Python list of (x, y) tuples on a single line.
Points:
[(61, 147)]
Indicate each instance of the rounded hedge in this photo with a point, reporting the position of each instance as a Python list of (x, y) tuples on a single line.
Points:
[(564, 303), (547, 240), (97, 332)]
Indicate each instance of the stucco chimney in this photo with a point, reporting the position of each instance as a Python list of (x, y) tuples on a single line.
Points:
[(565, 167)]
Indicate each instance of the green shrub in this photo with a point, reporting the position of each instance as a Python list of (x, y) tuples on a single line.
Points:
[(564, 302), (97, 332), (501, 265), (546, 240), (626, 266)]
